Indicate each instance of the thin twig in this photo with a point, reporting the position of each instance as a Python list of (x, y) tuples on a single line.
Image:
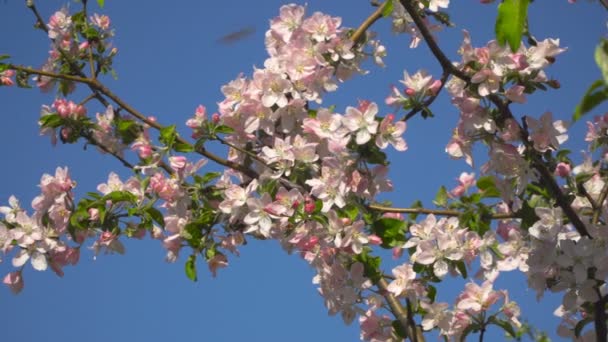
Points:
[(444, 78), (360, 31)]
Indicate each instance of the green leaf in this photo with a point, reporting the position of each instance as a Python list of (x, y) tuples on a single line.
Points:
[(462, 268), (399, 330), (168, 135), (416, 204), (371, 265), (351, 211), (120, 196), (223, 129), (4, 56), (156, 215), (391, 231), (431, 292), (601, 58), (441, 199), (51, 120), (388, 8), (91, 33), (209, 176), (191, 268), (510, 23), (101, 3), (505, 325), (596, 94), (183, 147)]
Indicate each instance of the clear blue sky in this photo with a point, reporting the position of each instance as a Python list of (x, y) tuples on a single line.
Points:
[(169, 62)]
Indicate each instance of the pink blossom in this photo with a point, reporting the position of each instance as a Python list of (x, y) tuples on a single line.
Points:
[(217, 262), (545, 133), (404, 276), (59, 24), (466, 180), (516, 94), (563, 169), (14, 281), (476, 299), (101, 21), (391, 134), (363, 123), (5, 77), (109, 242)]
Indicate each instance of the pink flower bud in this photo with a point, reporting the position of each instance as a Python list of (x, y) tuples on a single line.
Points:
[(177, 162), (410, 92), (309, 206), (563, 170), (215, 118), (374, 239), (397, 253)]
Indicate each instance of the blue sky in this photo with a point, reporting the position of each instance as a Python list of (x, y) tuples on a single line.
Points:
[(169, 62)]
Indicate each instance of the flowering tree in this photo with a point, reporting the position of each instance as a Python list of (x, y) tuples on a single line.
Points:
[(311, 175)]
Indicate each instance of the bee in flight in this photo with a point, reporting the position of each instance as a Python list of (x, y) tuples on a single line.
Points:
[(236, 36)]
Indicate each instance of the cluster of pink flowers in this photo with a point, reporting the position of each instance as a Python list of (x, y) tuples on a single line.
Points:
[(42, 237), (317, 170), (68, 43)]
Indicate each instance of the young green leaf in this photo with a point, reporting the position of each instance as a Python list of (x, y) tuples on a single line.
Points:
[(511, 21), (595, 95), (388, 8), (190, 268), (601, 58), (441, 199)]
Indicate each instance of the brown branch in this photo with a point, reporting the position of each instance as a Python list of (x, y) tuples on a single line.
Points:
[(444, 78), (72, 78), (413, 333), (440, 212), (446, 64), (360, 31)]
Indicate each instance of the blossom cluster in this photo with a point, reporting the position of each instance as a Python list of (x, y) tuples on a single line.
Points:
[(308, 177)]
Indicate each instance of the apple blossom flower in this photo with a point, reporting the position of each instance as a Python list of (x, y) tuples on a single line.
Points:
[(391, 133), (6, 77), (363, 123), (466, 180), (404, 276), (59, 24), (545, 133)]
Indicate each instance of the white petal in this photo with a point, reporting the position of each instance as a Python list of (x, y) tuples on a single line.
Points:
[(21, 258), (39, 261)]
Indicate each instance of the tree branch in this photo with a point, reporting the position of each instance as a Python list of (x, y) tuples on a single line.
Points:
[(445, 62), (360, 31), (413, 333), (440, 212)]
